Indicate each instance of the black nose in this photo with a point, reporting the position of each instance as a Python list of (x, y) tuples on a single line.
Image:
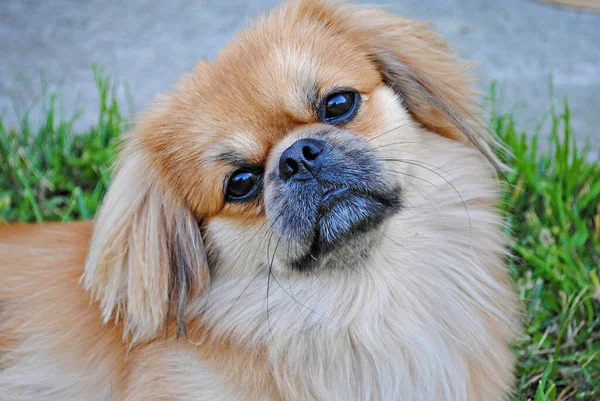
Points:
[(302, 160)]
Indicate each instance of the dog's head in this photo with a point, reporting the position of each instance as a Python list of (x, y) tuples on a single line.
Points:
[(290, 153)]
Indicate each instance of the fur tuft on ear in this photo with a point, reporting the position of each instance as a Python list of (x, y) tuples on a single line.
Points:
[(146, 255), (435, 85)]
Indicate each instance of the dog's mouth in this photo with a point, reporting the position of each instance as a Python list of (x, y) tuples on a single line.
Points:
[(343, 215)]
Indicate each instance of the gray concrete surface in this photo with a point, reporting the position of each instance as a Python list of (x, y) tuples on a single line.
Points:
[(149, 43)]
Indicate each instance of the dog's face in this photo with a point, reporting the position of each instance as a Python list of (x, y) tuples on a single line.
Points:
[(293, 153), (287, 156)]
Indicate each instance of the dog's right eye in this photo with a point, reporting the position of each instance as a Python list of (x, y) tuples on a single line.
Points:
[(242, 185)]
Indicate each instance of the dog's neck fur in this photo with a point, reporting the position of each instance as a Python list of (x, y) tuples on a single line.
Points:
[(361, 357)]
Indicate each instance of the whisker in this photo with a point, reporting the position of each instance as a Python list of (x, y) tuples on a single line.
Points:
[(258, 273), (427, 196), (299, 303), (396, 243), (267, 232), (397, 143), (249, 241), (268, 310), (290, 285), (427, 181), (406, 124), (420, 164)]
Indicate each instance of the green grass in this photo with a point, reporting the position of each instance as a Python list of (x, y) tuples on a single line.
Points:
[(52, 172), (551, 202), (552, 206)]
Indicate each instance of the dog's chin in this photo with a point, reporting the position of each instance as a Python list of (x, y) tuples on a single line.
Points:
[(347, 228)]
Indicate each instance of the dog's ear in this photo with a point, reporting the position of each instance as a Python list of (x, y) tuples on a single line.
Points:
[(146, 254), (435, 86)]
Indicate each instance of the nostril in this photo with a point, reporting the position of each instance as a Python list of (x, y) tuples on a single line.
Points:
[(310, 153), (288, 167), (291, 165)]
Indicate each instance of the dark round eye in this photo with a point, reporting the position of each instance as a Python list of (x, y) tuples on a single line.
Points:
[(242, 184), (339, 107)]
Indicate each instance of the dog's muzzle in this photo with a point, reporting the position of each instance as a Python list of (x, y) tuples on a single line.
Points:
[(327, 190)]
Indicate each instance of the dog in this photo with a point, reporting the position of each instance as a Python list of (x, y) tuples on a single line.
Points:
[(310, 216)]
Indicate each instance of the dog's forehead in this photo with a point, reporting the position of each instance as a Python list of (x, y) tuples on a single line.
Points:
[(269, 79)]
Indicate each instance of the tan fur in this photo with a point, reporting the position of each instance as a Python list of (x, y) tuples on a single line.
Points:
[(166, 297)]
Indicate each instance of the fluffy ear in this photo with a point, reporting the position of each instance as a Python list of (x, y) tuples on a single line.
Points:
[(435, 86), (146, 255)]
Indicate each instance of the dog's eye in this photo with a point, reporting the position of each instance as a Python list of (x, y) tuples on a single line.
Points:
[(242, 185), (339, 107)]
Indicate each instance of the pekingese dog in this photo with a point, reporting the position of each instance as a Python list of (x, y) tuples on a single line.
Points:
[(310, 216)]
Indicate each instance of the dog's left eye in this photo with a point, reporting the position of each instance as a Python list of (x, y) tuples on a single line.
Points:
[(242, 185), (339, 107)]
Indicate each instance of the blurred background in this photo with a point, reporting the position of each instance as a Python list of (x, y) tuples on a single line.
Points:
[(147, 44)]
